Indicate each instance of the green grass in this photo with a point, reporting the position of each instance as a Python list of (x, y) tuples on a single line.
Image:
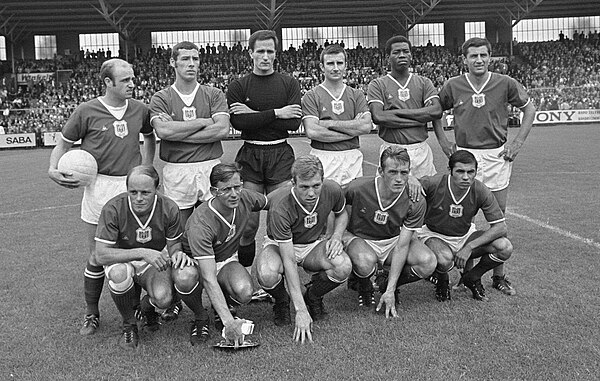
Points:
[(550, 330)]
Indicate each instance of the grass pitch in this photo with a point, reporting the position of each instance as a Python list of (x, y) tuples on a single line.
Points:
[(549, 330)]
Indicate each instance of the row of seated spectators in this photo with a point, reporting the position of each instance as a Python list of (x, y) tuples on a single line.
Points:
[(558, 74)]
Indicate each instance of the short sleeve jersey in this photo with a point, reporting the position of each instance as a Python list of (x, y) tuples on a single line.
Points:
[(208, 236), (208, 102), (481, 117), (288, 221), (361, 194), (118, 225), (445, 218), (319, 103), (415, 93), (114, 143)]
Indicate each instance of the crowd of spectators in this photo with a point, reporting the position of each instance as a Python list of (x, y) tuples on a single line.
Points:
[(562, 74)]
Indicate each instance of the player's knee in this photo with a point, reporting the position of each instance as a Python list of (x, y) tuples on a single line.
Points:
[(445, 259), (504, 247), (162, 297), (120, 277), (341, 266), (185, 279), (242, 292), (426, 262)]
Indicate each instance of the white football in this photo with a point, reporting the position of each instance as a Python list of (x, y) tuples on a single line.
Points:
[(81, 164)]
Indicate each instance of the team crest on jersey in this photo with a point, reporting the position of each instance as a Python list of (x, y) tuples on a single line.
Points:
[(404, 94), (337, 107), (143, 235), (121, 129), (189, 113), (231, 233), (478, 100), (381, 218), (456, 211), (310, 220)]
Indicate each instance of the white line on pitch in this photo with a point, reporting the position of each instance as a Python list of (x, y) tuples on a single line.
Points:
[(37, 210), (558, 230)]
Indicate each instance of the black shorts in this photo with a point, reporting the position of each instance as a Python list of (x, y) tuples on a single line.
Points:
[(266, 164)]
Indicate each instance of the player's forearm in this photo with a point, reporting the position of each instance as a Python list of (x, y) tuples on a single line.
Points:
[(174, 246), (340, 223), (213, 133), (495, 231), (399, 255), (215, 294), (107, 256), (179, 130), (149, 149), (423, 114), (526, 124), (323, 134), (60, 149), (355, 127), (290, 269), (438, 130), (390, 120), (252, 121)]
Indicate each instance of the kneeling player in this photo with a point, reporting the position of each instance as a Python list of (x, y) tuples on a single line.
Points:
[(452, 202), (133, 230), (296, 226), (382, 221), (212, 236)]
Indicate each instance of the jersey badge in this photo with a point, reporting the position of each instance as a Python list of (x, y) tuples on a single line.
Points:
[(121, 129), (231, 233), (337, 107), (456, 211), (143, 235), (404, 94), (310, 220), (478, 100), (381, 218), (189, 113)]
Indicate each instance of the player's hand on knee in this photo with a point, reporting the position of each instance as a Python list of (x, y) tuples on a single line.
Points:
[(157, 259), (289, 112), (462, 256), (63, 179), (334, 247), (180, 260), (389, 299), (303, 328)]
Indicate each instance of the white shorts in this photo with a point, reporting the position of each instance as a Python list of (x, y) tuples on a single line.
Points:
[(186, 183), (220, 265), (301, 251), (492, 170), (140, 267), (98, 193), (421, 158), (382, 247), (455, 243), (340, 166)]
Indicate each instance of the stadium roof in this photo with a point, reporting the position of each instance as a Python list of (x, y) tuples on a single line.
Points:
[(51, 17)]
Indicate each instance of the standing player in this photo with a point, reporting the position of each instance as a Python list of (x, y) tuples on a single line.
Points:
[(296, 226), (212, 237), (334, 116), (109, 128), (401, 104), (191, 119), (452, 202), (133, 230), (382, 221), (264, 106), (480, 99)]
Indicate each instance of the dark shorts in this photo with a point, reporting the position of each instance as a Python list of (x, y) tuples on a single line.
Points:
[(266, 164)]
